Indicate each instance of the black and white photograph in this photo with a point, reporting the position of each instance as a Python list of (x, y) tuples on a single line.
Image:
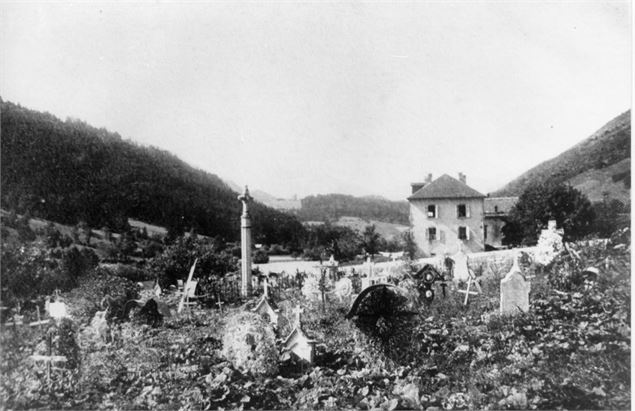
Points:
[(315, 205)]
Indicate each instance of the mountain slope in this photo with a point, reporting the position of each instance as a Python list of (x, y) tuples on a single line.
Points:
[(68, 171), (333, 206), (597, 164)]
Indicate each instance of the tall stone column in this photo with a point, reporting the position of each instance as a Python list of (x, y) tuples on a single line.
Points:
[(245, 244)]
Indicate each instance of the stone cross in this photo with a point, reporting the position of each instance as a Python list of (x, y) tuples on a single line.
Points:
[(297, 311), (265, 287), (514, 291), (245, 244)]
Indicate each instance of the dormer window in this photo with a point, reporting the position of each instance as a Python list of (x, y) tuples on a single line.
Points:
[(432, 211)]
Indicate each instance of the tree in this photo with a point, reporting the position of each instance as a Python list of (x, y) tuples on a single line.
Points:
[(410, 245), (540, 203), (370, 240)]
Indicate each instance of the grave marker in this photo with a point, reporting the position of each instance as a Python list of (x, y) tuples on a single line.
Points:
[(245, 244), (514, 291), (298, 342)]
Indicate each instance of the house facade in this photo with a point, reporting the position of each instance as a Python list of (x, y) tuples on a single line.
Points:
[(446, 215)]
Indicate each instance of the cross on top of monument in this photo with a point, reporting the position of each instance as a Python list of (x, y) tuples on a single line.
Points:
[(266, 287), (297, 311), (245, 196)]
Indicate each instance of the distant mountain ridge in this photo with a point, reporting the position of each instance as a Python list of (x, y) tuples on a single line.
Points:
[(598, 165), (67, 171)]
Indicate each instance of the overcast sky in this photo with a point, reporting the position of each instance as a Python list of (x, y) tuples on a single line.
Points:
[(308, 98)]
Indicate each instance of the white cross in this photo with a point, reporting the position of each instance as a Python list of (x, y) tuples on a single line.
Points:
[(266, 287), (220, 305), (471, 280), (297, 311)]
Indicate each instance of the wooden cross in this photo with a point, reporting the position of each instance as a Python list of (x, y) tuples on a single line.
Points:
[(220, 305), (471, 280), (297, 311)]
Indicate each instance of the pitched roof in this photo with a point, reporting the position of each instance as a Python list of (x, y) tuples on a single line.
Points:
[(445, 187)]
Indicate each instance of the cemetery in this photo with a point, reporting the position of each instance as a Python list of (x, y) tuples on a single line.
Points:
[(547, 328)]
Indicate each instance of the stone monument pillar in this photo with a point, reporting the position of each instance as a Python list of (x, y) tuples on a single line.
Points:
[(245, 244)]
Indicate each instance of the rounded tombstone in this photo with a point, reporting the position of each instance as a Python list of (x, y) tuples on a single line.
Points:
[(249, 344)]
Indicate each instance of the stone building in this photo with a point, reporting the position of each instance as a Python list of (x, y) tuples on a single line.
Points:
[(496, 212), (446, 215)]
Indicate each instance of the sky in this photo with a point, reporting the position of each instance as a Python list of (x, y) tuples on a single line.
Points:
[(301, 98)]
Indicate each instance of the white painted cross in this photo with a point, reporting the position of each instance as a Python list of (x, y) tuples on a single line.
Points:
[(186, 287), (471, 280), (297, 311), (220, 305)]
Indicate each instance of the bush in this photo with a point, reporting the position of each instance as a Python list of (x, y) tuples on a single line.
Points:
[(28, 271), (260, 257), (175, 261), (88, 298)]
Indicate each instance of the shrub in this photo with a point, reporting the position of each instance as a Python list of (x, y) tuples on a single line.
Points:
[(260, 257), (87, 299)]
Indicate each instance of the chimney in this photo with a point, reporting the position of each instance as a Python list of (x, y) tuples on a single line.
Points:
[(462, 178), (416, 187)]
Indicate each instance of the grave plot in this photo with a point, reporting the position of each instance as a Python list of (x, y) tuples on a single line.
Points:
[(569, 349)]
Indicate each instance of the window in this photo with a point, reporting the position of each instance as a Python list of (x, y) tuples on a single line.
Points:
[(464, 233), (485, 231), (432, 211), (461, 211), (496, 209), (432, 233)]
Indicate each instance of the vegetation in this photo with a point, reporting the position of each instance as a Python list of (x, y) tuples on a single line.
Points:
[(609, 145), (68, 171), (540, 203), (571, 351), (330, 207)]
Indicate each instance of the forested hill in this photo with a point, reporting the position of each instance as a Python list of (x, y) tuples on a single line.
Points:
[(68, 171), (600, 163), (333, 206)]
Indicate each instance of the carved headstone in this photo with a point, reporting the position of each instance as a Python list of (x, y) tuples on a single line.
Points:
[(514, 291)]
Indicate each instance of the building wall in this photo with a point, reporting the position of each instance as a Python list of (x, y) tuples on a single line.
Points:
[(494, 233), (447, 225)]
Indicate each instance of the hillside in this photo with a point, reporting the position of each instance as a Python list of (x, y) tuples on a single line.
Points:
[(389, 231), (333, 206), (68, 171), (600, 163)]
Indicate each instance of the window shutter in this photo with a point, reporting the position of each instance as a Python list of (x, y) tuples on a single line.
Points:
[(467, 210), (436, 211), (442, 236), (467, 232)]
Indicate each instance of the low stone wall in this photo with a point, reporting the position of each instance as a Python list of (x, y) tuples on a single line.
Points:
[(495, 263)]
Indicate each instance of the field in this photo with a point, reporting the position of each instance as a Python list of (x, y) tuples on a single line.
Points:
[(571, 350)]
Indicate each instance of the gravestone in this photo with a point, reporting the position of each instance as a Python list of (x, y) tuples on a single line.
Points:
[(514, 291), (461, 272)]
